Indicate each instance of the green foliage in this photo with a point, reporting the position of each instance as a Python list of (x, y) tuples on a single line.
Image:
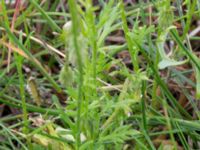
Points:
[(166, 15), (109, 102)]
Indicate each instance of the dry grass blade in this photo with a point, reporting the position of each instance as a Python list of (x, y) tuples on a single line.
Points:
[(17, 9), (19, 51), (46, 45)]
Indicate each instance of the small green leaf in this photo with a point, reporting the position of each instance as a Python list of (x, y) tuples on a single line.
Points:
[(169, 62), (166, 61), (197, 83)]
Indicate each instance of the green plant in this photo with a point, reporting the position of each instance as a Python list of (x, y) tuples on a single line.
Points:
[(109, 76)]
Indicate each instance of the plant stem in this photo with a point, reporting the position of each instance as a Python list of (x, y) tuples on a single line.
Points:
[(75, 30), (22, 92), (133, 52)]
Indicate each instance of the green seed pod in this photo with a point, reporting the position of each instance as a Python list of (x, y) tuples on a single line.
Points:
[(66, 76)]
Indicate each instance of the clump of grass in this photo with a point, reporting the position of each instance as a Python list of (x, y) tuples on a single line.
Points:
[(91, 96)]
